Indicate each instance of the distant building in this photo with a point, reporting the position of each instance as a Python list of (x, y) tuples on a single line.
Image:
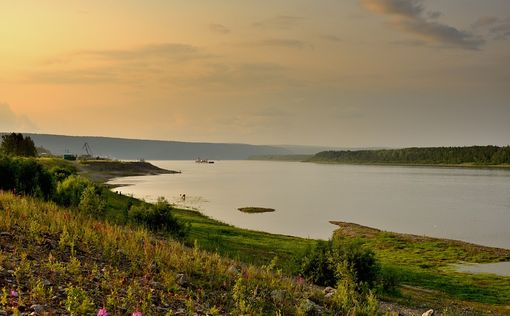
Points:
[(69, 157)]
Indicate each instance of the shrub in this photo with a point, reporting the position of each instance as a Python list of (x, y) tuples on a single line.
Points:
[(316, 264), (91, 202), (157, 217), (358, 258), (25, 176), (69, 191), (60, 173), (328, 262)]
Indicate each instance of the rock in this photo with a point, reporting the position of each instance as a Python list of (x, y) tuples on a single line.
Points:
[(37, 308), (278, 296), (46, 283), (233, 270), (430, 312), (310, 308), (3, 313), (181, 279), (329, 295), (329, 289), (157, 285)]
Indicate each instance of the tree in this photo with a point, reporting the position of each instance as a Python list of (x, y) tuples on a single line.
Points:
[(18, 145)]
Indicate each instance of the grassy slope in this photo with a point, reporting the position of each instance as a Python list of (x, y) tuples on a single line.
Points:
[(64, 260)]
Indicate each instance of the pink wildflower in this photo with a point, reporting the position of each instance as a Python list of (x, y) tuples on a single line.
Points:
[(14, 293), (102, 312), (137, 313)]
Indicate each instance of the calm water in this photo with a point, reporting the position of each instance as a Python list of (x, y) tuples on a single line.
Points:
[(464, 204)]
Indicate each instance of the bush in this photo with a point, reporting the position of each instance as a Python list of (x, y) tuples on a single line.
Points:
[(328, 262), (70, 191), (25, 176), (60, 173), (91, 202), (157, 217), (359, 259), (316, 265)]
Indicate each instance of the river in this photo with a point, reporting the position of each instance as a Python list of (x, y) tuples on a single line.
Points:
[(465, 204)]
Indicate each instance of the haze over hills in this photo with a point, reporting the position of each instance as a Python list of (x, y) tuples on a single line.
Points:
[(122, 148)]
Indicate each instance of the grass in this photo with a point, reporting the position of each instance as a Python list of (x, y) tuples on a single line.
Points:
[(425, 262), (70, 263), (252, 210)]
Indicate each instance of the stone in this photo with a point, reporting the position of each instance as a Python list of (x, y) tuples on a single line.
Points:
[(310, 308), (278, 296), (181, 279), (3, 313), (430, 312), (38, 308), (329, 289), (233, 270)]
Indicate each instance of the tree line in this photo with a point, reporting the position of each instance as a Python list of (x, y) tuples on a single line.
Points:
[(477, 155)]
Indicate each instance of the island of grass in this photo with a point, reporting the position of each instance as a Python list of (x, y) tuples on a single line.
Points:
[(253, 210)]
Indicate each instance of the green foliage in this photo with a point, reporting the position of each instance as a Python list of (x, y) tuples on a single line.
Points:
[(25, 176), (91, 202), (331, 261), (359, 260), (60, 173), (157, 217), (317, 265), (17, 145), (477, 155), (78, 302), (70, 191)]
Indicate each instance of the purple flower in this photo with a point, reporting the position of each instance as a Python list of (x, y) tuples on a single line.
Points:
[(137, 313), (102, 312), (14, 293)]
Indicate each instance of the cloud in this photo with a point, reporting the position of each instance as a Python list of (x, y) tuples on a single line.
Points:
[(496, 28), (331, 38), (280, 42), (411, 17), (136, 65), (282, 22), (169, 51), (219, 28), (10, 121)]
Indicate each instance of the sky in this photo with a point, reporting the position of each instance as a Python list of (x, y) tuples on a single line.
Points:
[(339, 73)]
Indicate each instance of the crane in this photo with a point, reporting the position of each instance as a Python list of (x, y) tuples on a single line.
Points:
[(87, 148)]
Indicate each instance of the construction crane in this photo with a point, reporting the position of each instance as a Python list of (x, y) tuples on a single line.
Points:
[(87, 148)]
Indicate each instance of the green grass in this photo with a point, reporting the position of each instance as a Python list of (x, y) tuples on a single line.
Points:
[(74, 264), (256, 209), (426, 262)]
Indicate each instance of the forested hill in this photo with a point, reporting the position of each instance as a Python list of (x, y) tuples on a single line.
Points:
[(474, 155), (122, 148)]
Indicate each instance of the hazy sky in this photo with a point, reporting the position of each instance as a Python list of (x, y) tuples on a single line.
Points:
[(321, 72)]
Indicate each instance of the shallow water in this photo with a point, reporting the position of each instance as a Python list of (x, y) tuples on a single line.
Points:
[(499, 268), (465, 204)]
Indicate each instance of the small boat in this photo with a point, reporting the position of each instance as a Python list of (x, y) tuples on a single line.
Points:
[(203, 161)]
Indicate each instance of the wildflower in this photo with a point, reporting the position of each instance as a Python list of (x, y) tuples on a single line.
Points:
[(137, 313), (14, 293), (102, 312)]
